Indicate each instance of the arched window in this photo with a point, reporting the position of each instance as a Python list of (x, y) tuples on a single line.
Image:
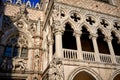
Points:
[(115, 44), (117, 77), (24, 52), (102, 44), (84, 76), (68, 40), (86, 42), (16, 47)]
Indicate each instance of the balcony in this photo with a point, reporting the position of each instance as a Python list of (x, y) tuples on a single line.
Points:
[(90, 56)]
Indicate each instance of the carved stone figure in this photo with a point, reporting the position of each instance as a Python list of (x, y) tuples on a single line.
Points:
[(19, 64), (56, 70)]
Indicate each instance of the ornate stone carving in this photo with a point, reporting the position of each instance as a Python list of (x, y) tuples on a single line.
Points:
[(22, 14), (56, 70), (19, 64), (20, 24), (56, 11), (32, 28)]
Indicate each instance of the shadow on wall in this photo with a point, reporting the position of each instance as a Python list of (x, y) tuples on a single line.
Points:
[(7, 52)]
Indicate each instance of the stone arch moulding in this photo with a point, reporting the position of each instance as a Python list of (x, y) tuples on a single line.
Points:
[(87, 26), (106, 33), (85, 69), (73, 26), (12, 32), (112, 76), (116, 33)]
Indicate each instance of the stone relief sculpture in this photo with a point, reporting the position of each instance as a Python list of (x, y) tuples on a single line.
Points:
[(19, 64), (56, 70)]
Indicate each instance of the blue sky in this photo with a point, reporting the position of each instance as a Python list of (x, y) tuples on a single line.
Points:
[(32, 1)]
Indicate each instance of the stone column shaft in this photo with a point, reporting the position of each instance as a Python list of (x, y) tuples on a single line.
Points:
[(58, 44), (78, 42), (94, 40), (109, 39)]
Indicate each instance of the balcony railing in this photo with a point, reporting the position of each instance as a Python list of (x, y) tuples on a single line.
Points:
[(89, 56), (70, 54), (105, 58)]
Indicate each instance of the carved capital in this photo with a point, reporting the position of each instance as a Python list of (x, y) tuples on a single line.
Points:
[(59, 30), (108, 39), (93, 36), (77, 33)]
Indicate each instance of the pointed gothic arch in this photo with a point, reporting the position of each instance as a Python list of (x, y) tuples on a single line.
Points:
[(115, 43), (86, 72), (68, 40), (16, 46), (86, 42), (115, 75), (102, 43), (13, 31), (103, 30), (70, 22), (87, 26)]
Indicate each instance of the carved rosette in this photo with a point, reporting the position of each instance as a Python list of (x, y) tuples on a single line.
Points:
[(56, 70)]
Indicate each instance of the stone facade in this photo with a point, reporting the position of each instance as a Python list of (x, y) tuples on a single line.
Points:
[(48, 43)]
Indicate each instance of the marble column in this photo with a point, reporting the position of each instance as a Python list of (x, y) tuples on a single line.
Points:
[(95, 46), (109, 40), (58, 43), (77, 34)]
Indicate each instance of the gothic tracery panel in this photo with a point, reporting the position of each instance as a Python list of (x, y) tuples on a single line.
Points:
[(17, 46)]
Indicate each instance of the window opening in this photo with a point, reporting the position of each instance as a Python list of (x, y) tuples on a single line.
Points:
[(102, 45), (69, 41), (116, 45), (86, 42)]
